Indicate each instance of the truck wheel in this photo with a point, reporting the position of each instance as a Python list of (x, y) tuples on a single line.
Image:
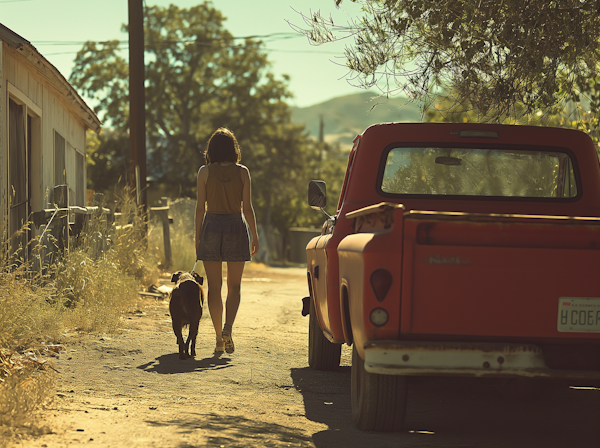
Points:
[(378, 401), (322, 354), (527, 388)]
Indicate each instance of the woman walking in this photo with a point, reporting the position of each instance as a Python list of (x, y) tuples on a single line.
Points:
[(224, 194)]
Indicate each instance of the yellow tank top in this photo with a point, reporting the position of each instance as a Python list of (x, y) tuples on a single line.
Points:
[(224, 189)]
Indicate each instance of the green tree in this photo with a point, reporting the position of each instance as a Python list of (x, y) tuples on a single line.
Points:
[(582, 115), (107, 159), (504, 58), (199, 77)]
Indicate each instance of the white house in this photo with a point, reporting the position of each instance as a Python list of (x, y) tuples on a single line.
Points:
[(43, 124)]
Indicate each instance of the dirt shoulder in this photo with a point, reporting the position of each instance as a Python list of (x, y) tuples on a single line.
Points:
[(130, 390)]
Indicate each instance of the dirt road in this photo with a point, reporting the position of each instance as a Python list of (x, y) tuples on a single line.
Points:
[(131, 390)]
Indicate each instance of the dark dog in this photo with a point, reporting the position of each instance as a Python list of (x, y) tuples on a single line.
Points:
[(185, 307)]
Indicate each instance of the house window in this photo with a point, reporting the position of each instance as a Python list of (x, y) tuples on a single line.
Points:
[(60, 169)]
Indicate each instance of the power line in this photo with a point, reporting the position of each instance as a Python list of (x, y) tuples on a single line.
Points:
[(123, 44), (271, 37), (268, 50)]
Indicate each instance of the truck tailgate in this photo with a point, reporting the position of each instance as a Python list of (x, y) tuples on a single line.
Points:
[(500, 276)]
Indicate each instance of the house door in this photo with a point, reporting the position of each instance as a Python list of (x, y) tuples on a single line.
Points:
[(19, 153)]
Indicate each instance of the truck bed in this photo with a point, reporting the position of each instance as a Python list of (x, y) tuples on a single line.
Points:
[(500, 277)]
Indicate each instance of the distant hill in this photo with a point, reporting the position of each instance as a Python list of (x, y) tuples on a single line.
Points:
[(347, 116)]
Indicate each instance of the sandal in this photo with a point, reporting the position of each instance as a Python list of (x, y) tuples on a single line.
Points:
[(229, 346), (219, 348)]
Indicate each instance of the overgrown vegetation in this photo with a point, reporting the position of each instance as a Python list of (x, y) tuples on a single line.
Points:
[(580, 115), (45, 294), (504, 59)]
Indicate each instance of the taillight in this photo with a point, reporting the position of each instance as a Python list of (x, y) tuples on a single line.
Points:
[(381, 282)]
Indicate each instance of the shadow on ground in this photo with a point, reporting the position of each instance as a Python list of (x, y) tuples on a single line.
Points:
[(170, 364), (455, 412), (235, 431)]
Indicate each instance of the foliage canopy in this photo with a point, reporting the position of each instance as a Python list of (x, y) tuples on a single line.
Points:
[(505, 58), (198, 78)]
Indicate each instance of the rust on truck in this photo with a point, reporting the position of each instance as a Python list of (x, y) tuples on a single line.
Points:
[(374, 218)]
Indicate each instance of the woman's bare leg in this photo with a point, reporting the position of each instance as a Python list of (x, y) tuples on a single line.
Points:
[(235, 269), (214, 277)]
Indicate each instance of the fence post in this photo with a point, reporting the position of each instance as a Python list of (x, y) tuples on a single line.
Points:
[(61, 199), (163, 214), (99, 245), (164, 217)]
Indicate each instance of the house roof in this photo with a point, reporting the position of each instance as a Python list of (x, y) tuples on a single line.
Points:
[(52, 76)]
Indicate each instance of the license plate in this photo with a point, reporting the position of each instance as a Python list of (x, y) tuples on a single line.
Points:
[(579, 314)]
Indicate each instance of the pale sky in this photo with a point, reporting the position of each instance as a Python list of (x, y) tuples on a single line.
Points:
[(58, 28)]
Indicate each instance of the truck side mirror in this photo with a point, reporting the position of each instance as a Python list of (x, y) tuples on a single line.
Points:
[(317, 194)]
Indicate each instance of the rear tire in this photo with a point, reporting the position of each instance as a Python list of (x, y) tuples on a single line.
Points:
[(527, 388), (378, 401), (322, 354)]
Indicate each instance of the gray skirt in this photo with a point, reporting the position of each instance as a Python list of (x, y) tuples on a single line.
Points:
[(223, 238)]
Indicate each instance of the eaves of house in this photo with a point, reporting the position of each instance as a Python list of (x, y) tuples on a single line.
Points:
[(52, 76)]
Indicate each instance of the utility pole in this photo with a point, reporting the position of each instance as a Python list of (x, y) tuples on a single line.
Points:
[(137, 104), (321, 129)]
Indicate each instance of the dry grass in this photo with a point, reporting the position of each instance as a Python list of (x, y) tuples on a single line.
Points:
[(30, 325), (85, 289), (96, 293), (26, 385), (26, 316)]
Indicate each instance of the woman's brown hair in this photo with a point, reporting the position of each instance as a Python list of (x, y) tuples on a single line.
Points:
[(222, 146)]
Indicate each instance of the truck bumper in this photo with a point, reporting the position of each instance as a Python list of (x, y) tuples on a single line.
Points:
[(415, 358)]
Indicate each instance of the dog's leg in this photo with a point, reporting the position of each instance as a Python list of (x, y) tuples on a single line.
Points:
[(191, 341), (187, 347), (177, 330)]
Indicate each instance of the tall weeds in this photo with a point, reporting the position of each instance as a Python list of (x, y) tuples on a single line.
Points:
[(30, 323), (48, 292)]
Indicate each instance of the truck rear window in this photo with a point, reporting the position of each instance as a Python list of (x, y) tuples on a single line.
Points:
[(479, 172)]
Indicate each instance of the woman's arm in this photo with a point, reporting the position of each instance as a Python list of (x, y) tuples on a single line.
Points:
[(200, 201), (248, 210)]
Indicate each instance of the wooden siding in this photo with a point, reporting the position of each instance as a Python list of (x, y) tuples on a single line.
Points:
[(3, 142), (51, 114)]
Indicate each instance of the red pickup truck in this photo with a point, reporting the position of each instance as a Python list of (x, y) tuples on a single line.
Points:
[(457, 249)]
